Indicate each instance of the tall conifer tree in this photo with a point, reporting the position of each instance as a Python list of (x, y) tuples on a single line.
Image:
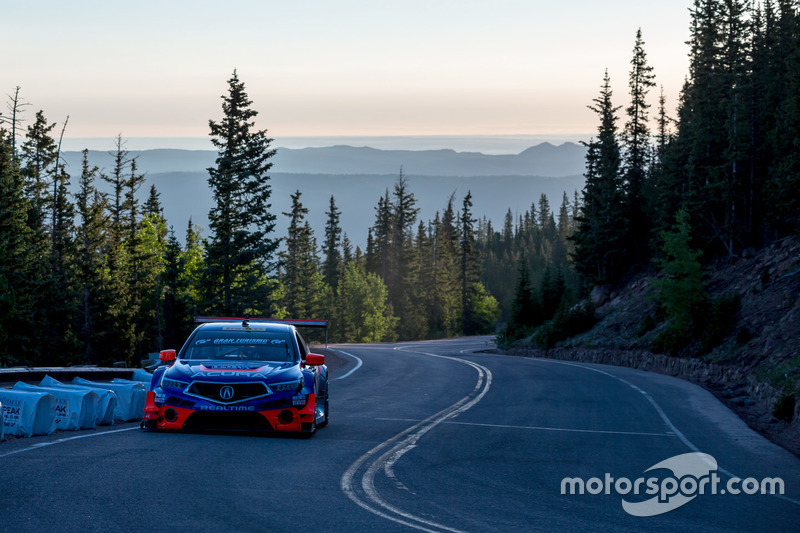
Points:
[(331, 249), (240, 252), (91, 239), (16, 255), (636, 144), (298, 263), (599, 239)]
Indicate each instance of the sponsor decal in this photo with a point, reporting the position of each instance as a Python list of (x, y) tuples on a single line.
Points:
[(11, 416), (224, 366), (62, 410), (247, 341), (226, 408), (229, 373)]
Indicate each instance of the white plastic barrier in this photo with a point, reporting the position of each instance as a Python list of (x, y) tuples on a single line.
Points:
[(142, 376), (107, 399), (130, 397), (26, 414), (75, 409)]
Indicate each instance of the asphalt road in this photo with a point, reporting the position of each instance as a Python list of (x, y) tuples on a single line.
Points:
[(423, 436)]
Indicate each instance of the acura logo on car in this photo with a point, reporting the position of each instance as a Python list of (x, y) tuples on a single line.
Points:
[(226, 392)]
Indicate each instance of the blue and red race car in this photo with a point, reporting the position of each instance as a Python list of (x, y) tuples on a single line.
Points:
[(240, 374)]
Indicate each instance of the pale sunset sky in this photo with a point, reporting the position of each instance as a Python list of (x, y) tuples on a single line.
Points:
[(335, 68)]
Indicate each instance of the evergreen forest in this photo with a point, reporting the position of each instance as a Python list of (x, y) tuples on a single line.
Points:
[(92, 274)]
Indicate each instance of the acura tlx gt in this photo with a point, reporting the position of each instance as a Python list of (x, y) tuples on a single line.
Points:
[(240, 374)]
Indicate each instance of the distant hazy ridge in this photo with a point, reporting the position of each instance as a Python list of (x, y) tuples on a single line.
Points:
[(358, 176)]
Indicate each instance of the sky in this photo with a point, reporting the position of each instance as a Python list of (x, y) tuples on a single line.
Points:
[(347, 68)]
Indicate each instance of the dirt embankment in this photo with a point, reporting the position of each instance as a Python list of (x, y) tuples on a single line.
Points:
[(755, 369)]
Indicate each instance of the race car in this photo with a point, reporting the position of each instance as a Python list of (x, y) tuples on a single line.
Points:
[(240, 374)]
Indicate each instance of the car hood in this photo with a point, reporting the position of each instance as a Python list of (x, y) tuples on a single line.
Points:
[(224, 371)]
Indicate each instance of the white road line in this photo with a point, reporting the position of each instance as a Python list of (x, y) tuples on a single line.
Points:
[(359, 362), (39, 445), (386, 454), (663, 416), (544, 428)]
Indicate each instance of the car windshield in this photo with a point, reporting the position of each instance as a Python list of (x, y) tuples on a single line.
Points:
[(238, 343)]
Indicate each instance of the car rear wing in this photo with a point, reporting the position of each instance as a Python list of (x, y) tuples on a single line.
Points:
[(289, 321)]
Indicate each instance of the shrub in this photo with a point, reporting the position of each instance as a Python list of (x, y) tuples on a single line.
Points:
[(721, 316), (567, 323), (648, 324), (671, 340), (680, 289), (784, 407)]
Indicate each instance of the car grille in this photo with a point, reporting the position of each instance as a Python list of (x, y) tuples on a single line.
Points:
[(227, 421), (228, 393)]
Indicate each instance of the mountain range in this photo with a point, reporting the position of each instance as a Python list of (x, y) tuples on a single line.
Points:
[(544, 159), (358, 176)]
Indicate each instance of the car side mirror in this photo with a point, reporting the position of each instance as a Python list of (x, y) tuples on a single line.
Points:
[(314, 359), (168, 356)]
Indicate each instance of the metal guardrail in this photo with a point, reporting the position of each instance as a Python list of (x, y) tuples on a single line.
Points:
[(9, 376)]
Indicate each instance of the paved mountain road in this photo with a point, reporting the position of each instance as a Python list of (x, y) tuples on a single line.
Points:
[(423, 436)]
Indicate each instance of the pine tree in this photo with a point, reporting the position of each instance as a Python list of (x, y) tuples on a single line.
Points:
[(399, 275), (703, 117), (299, 264), (152, 207), (546, 222), (90, 238), (61, 298), (240, 251), (16, 257), (380, 236), (182, 285), (662, 194), (599, 240), (468, 275), (526, 310), (782, 96), (636, 144), (176, 308), (117, 180), (347, 250), (138, 312), (14, 118), (39, 153), (420, 287), (564, 230), (331, 265)]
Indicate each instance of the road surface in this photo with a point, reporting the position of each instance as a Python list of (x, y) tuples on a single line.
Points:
[(428, 436)]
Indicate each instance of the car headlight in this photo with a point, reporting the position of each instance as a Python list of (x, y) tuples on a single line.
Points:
[(173, 383), (287, 386)]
